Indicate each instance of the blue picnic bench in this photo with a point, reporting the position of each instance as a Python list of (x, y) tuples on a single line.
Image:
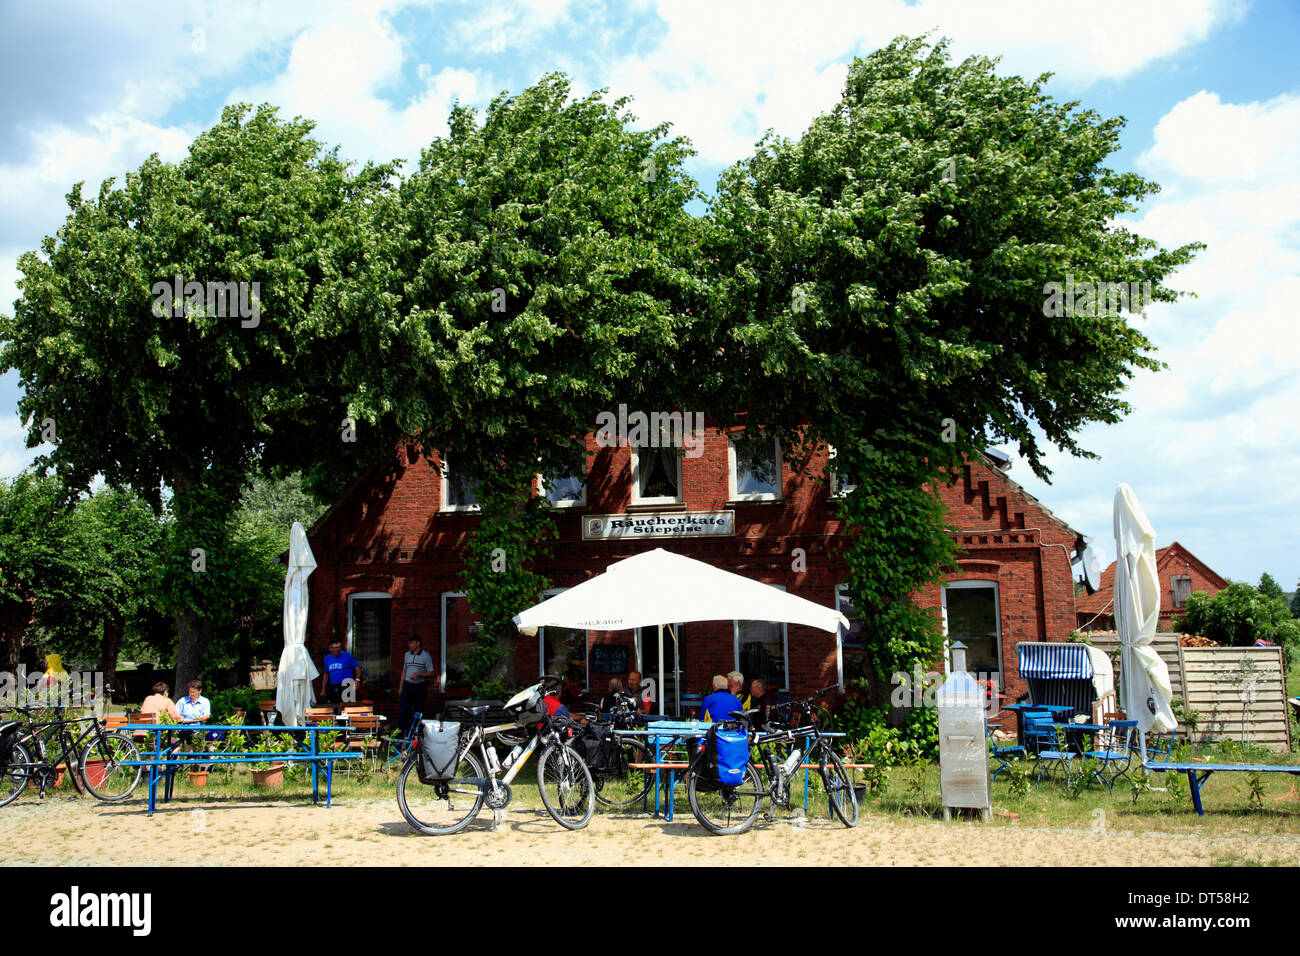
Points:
[(162, 761), (1198, 773)]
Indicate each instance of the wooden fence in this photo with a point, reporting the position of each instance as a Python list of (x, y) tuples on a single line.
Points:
[(1212, 681)]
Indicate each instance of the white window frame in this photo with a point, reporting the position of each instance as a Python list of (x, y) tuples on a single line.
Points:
[(539, 483), (370, 596), (541, 645), (785, 642), (656, 499), (733, 479), (839, 488), (997, 618), (442, 657), (446, 490)]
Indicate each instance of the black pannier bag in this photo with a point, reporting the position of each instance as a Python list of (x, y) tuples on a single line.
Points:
[(528, 711), (592, 749), (8, 737), (439, 750)]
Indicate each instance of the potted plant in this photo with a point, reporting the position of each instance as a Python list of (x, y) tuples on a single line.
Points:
[(268, 773)]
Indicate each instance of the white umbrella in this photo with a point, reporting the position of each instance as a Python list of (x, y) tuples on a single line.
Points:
[(293, 683), (659, 587), (1147, 691)]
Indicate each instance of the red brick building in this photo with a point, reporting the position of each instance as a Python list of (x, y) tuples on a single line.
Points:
[(389, 550), (1181, 573)]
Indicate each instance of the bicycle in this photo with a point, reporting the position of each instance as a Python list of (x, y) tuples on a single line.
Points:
[(775, 759), (53, 742), (609, 757), (448, 806)]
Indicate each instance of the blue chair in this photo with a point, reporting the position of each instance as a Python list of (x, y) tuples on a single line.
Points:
[(1048, 744), (1003, 755), (1114, 752)]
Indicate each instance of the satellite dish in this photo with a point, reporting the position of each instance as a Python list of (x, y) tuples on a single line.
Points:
[(1091, 569)]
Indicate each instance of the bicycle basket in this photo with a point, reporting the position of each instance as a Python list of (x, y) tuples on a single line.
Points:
[(439, 750), (726, 753)]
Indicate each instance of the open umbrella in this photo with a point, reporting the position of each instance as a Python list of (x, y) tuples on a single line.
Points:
[(293, 683), (660, 587), (1145, 677)]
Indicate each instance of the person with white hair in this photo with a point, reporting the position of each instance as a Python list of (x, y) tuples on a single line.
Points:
[(721, 703)]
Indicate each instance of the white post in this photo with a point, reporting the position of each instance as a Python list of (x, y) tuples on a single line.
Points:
[(677, 671), (661, 669)]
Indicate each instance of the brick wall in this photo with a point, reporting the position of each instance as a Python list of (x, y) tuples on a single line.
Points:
[(388, 535)]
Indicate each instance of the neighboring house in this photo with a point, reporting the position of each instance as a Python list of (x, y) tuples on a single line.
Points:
[(389, 565), (1180, 572)]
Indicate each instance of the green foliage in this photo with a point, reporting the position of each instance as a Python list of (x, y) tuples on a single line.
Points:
[(1140, 784), (1269, 588), (1238, 616), (226, 702), (1187, 717), (1018, 779), (194, 402)]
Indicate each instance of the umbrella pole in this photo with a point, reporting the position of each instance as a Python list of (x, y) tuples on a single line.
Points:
[(677, 671), (661, 667)]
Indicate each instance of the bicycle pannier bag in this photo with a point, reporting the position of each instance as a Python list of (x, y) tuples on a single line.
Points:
[(727, 752), (439, 750), (8, 737), (591, 749)]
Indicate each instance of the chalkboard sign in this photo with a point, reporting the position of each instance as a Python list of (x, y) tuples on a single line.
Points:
[(609, 658)]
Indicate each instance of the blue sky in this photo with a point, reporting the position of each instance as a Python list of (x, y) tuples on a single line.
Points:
[(1211, 90)]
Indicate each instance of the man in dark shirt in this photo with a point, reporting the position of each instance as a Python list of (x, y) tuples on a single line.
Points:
[(761, 698)]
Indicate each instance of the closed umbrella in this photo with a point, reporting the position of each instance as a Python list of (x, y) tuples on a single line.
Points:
[(293, 684), (1148, 694)]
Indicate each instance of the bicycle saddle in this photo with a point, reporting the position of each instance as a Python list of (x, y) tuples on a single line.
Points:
[(475, 711), (9, 725)]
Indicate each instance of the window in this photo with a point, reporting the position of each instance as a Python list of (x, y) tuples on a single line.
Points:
[(761, 651), (1181, 584), (840, 484), (755, 468), (460, 491), (459, 631), (844, 603), (656, 476), (562, 651), (370, 634), (971, 615), (568, 490)]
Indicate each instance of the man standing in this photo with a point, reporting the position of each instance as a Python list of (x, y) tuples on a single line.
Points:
[(417, 670), (338, 666)]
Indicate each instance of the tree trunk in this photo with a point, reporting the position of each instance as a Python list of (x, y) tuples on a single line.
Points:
[(14, 618), (194, 634), (109, 649)]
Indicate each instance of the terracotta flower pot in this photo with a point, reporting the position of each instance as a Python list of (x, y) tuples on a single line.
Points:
[(271, 777), (95, 773), (199, 778)]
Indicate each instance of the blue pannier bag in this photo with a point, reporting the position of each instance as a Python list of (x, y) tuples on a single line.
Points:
[(728, 752)]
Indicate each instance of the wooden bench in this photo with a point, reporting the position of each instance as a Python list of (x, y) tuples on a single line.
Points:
[(1198, 773)]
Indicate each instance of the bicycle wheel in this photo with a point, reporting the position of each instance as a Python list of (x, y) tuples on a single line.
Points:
[(839, 788), (441, 808), (566, 785), (114, 782), (14, 779), (724, 810), (618, 785)]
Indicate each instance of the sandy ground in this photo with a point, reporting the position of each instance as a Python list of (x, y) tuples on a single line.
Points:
[(370, 831)]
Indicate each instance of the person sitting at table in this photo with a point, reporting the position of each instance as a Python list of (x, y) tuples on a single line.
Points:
[(720, 704), (641, 695), (761, 698), (339, 667), (616, 694), (161, 706), (193, 708)]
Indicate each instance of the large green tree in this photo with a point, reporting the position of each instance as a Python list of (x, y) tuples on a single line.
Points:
[(159, 393), (881, 284), (1238, 616), (544, 258)]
